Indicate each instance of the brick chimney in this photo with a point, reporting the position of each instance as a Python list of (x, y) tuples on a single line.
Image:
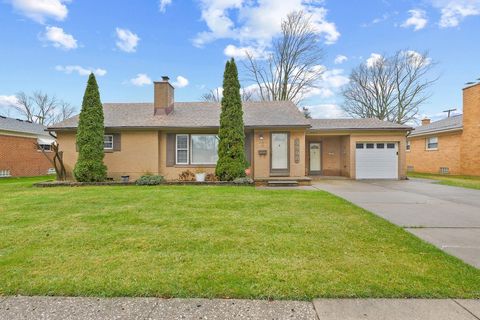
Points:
[(470, 142), (425, 121), (163, 96)]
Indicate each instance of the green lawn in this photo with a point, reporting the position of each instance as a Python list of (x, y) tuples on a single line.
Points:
[(456, 181), (199, 241)]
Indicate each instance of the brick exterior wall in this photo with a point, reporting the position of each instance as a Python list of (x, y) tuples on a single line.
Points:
[(459, 151), (430, 161), (470, 142), (19, 155)]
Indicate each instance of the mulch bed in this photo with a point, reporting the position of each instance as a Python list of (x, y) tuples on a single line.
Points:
[(48, 184)]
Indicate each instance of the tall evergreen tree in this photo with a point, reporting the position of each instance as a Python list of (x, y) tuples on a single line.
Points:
[(231, 148), (90, 131)]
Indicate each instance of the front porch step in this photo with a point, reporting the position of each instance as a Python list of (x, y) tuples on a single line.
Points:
[(282, 183)]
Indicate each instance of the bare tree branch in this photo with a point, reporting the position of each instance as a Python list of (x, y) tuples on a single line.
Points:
[(42, 108), (392, 88), (294, 65)]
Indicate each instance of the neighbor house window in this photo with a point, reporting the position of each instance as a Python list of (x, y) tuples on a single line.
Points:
[(181, 149), (204, 148), (408, 145), (108, 141), (432, 143), (44, 147)]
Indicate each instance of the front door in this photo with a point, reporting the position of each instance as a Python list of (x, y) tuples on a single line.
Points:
[(315, 158), (279, 160)]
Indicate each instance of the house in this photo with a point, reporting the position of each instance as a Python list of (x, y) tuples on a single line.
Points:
[(451, 145), (167, 137), (19, 156)]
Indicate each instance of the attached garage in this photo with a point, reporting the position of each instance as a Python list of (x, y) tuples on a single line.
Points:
[(376, 160)]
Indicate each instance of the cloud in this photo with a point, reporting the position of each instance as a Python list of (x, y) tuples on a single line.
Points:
[(40, 10), (326, 111), (8, 103), (257, 22), (329, 83), (81, 70), (162, 6), (374, 58), (127, 40), (59, 38), (180, 82), (240, 53), (339, 59), (141, 80), (417, 20), (453, 12)]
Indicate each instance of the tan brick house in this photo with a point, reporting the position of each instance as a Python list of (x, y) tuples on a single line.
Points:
[(167, 137), (19, 156), (451, 145)]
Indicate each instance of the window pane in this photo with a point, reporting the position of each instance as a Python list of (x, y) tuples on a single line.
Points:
[(182, 156), (391, 145), (182, 141), (370, 145), (108, 142), (204, 149), (359, 145), (380, 145)]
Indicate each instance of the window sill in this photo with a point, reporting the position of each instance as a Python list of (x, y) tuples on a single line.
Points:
[(433, 149), (195, 165)]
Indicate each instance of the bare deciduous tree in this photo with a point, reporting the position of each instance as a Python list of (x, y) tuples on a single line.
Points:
[(42, 108), (215, 95), (293, 66), (56, 160), (389, 88)]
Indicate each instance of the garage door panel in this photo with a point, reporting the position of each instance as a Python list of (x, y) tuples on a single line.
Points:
[(376, 162)]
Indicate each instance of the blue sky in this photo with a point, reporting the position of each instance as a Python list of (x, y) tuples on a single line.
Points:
[(51, 45)]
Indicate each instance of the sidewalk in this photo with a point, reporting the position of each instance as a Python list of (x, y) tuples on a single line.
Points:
[(56, 308)]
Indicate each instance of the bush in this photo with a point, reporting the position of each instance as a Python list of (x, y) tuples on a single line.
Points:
[(150, 180), (186, 175), (211, 177), (243, 180)]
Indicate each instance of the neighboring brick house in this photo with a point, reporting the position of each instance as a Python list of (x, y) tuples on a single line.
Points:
[(451, 145), (19, 157), (167, 137)]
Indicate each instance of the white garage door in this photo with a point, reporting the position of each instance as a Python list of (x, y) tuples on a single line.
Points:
[(376, 160)]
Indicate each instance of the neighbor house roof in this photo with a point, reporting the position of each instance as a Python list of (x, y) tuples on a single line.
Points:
[(194, 115), (355, 124), (453, 123), (22, 126)]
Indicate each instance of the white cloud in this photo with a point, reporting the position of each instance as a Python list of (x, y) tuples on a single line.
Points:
[(127, 40), (374, 58), (8, 104), (417, 58), (453, 12), (40, 10), (417, 20), (81, 70), (339, 59), (241, 52), (327, 110), (180, 82), (257, 22), (141, 80), (59, 38), (162, 6)]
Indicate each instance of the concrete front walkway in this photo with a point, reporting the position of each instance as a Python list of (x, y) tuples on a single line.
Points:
[(58, 308), (448, 217)]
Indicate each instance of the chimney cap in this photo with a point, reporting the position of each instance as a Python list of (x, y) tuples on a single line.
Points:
[(165, 78)]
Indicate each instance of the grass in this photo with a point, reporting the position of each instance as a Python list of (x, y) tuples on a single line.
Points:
[(229, 242), (470, 182)]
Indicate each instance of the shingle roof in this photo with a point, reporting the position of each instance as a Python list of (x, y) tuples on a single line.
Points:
[(451, 123), (355, 124), (22, 126), (195, 115)]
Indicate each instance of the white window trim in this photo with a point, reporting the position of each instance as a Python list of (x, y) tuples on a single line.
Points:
[(426, 144), (408, 146), (176, 148), (107, 135), (191, 148)]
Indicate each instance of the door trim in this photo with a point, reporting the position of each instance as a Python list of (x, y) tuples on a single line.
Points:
[(280, 172), (310, 172)]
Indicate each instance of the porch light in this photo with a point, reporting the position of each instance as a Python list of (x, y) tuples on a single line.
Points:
[(260, 136)]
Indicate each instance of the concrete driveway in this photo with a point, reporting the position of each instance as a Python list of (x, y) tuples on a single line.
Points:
[(448, 217)]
